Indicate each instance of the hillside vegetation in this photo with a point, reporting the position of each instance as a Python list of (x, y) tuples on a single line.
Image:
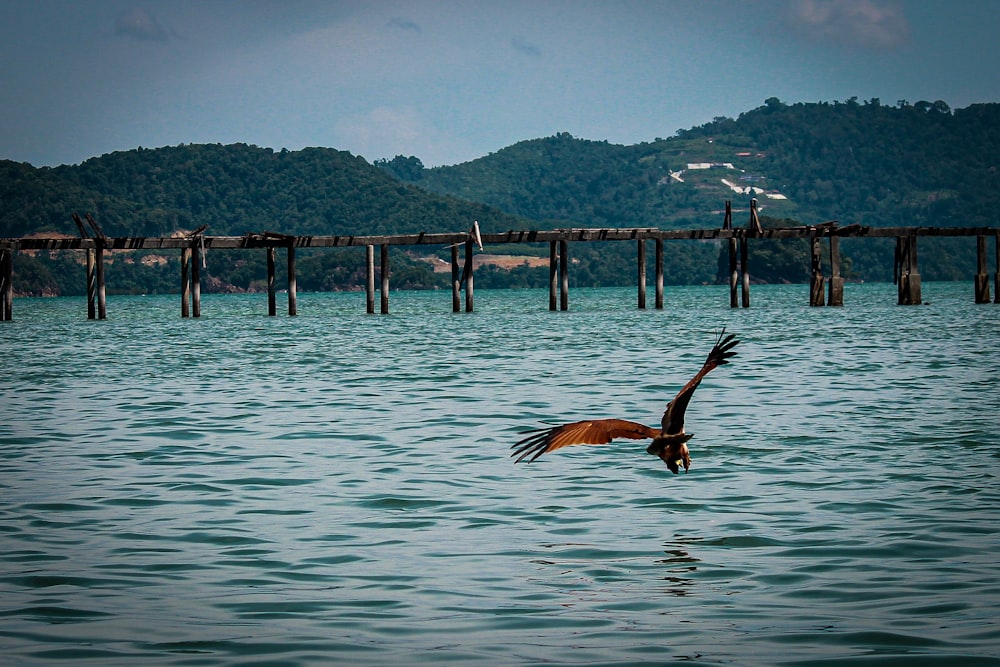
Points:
[(867, 163)]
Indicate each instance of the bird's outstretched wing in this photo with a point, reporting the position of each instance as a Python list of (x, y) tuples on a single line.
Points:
[(590, 432), (673, 418)]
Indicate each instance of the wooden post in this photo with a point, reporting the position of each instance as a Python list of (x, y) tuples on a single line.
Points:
[(836, 280), (817, 283), (744, 266), (185, 283), (293, 297), (385, 279), (641, 269), (6, 285), (102, 304), (563, 275), (659, 274), (456, 282), (370, 281), (909, 274), (470, 282), (996, 275), (91, 286), (553, 274), (982, 282), (272, 301), (734, 275), (196, 258)]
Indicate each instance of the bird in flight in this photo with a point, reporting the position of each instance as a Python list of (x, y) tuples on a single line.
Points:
[(669, 441)]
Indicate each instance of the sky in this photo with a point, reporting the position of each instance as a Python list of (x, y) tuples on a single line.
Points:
[(452, 81)]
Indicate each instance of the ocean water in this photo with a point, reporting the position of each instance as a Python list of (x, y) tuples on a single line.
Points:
[(336, 488)]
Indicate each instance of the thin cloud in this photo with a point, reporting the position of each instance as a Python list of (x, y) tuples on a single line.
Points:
[(139, 24), (398, 23), (522, 45), (877, 24)]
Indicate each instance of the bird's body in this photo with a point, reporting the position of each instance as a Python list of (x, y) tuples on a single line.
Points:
[(669, 441)]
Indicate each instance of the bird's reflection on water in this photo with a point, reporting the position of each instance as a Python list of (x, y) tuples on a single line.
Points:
[(679, 562)]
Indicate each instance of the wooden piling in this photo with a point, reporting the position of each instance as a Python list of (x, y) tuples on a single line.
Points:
[(744, 265), (996, 274), (553, 274), (563, 275), (196, 259), (6, 285), (185, 282), (641, 270), (816, 284), (982, 281), (909, 274), (456, 282), (91, 286), (102, 293), (370, 279), (384, 292), (272, 301), (659, 274), (470, 281), (293, 298), (836, 280), (734, 275)]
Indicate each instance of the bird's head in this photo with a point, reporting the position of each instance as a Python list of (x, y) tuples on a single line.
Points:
[(676, 454)]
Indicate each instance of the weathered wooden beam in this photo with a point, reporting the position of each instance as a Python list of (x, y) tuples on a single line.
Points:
[(909, 292), (734, 274), (102, 293)]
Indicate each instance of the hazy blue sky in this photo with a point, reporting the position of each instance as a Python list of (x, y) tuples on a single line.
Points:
[(453, 81)]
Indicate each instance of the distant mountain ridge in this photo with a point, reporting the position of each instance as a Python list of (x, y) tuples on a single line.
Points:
[(867, 163)]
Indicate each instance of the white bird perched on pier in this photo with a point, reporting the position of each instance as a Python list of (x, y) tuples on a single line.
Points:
[(669, 441)]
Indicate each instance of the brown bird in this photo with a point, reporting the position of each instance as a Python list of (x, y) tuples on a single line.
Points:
[(669, 441)]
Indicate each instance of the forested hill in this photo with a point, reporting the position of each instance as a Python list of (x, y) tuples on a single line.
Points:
[(233, 189), (856, 162)]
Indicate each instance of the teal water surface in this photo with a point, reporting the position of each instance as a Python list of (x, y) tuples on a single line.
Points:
[(336, 488)]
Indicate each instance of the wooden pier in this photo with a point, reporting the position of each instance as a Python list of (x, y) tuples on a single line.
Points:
[(823, 290)]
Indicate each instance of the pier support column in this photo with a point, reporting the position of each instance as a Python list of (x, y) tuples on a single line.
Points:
[(744, 268), (982, 282), (91, 286), (6, 285), (196, 259), (293, 297), (272, 301), (456, 282), (102, 293), (734, 275), (817, 283), (641, 271), (370, 279), (470, 281), (553, 274), (185, 282), (563, 275), (384, 292), (659, 274), (996, 276), (909, 275), (836, 280)]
